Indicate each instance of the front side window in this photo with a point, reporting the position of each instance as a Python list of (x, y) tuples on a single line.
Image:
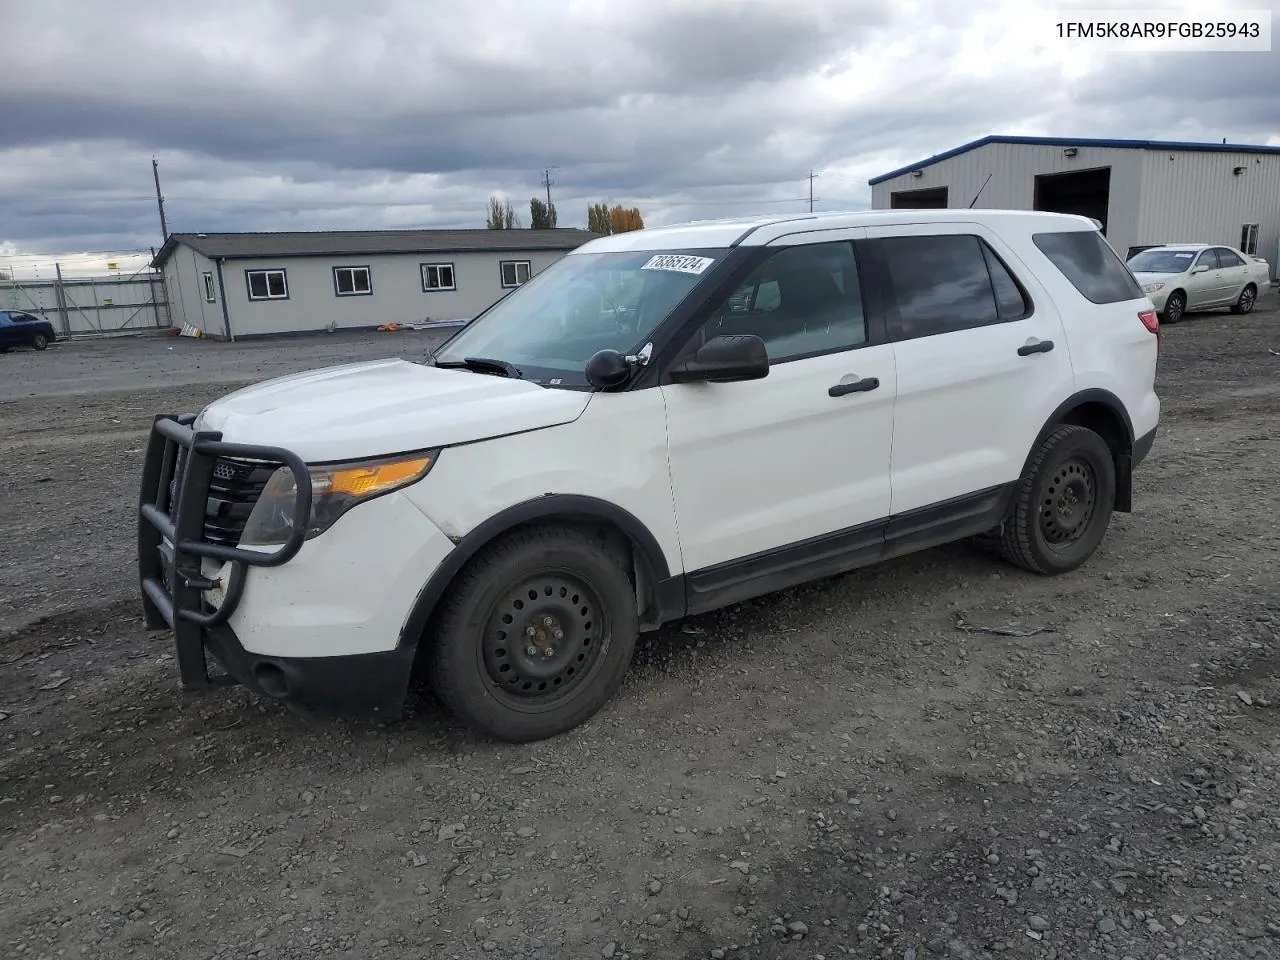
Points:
[(1091, 266), (514, 272), (584, 302), (1208, 258), (352, 282), (267, 284), (941, 284), (802, 301), (209, 289), (438, 276)]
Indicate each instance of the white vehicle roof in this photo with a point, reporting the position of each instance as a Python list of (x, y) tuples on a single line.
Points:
[(761, 230)]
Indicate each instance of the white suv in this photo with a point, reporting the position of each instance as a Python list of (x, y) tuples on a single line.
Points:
[(663, 422)]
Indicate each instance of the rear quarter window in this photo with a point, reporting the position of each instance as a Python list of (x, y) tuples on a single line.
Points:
[(1091, 266)]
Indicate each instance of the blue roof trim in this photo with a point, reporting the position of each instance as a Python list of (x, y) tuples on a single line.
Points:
[(1185, 146)]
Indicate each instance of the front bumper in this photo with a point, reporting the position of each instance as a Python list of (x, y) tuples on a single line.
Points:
[(362, 685), (265, 637), (1158, 297)]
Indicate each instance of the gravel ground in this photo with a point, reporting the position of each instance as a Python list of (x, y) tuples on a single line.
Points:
[(939, 757)]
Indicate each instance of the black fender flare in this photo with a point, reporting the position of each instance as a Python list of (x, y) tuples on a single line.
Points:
[(668, 593), (1124, 456)]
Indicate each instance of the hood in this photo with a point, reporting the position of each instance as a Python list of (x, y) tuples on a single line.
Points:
[(383, 407), (1144, 277)]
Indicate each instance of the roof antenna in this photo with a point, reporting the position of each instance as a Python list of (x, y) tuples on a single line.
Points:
[(979, 193)]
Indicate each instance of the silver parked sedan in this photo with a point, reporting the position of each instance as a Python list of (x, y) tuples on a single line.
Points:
[(1199, 276)]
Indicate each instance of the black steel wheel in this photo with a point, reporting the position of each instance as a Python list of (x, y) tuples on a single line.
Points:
[(39, 341), (1248, 297), (1062, 504), (1069, 501), (1175, 307), (534, 635), (542, 639)]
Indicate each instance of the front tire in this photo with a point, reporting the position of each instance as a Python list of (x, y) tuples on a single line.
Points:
[(1248, 297), (39, 341), (1175, 308), (1063, 503), (535, 635)]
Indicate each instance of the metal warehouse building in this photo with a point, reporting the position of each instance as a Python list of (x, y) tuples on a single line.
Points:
[(237, 285), (1142, 191)]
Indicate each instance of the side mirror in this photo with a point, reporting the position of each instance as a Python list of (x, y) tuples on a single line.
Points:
[(607, 369), (725, 359), (1200, 268)]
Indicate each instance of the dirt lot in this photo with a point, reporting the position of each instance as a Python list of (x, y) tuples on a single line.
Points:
[(940, 757)]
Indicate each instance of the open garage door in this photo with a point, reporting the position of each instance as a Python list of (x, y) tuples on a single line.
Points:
[(931, 198), (1085, 193)]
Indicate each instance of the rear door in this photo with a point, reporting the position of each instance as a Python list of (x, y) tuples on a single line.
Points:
[(981, 357), (1235, 274)]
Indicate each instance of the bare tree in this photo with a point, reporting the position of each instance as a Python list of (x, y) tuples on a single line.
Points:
[(502, 216)]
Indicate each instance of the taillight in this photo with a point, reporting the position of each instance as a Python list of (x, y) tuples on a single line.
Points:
[(1150, 320)]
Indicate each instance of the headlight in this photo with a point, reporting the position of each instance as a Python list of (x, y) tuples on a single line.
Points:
[(335, 489), (1152, 287)]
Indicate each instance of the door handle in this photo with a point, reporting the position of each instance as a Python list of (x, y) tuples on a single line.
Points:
[(858, 386), (1041, 346)]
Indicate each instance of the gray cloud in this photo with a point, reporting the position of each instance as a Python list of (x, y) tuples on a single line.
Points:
[(307, 114)]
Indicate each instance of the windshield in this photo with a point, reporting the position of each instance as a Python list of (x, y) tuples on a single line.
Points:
[(548, 328), (1162, 261)]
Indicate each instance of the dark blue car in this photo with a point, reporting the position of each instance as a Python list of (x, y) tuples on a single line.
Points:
[(19, 329)]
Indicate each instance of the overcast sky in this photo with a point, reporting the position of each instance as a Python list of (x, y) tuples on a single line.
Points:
[(318, 114)]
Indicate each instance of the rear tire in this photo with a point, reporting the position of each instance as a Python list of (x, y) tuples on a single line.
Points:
[(550, 590), (1175, 308), (1248, 297), (39, 341), (1063, 503)]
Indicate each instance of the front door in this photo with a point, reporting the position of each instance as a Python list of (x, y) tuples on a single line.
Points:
[(982, 359), (785, 477), (1205, 288)]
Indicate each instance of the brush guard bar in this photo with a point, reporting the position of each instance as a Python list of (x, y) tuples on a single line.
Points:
[(171, 541)]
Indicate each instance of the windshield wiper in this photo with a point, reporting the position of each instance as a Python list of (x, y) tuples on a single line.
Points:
[(483, 364)]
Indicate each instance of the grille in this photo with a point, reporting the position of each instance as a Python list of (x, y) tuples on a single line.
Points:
[(235, 488)]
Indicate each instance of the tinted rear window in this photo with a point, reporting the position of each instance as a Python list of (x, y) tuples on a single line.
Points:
[(1090, 264)]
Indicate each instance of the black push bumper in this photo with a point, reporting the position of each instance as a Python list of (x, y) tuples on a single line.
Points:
[(176, 478)]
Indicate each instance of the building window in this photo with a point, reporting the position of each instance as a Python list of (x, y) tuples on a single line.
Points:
[(1249, 239), (514, 272), (438, 276), (351, 282), (209, 288), (267, 284)]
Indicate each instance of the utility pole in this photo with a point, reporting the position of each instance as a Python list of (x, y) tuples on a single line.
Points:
[(812, 176), (547, 182), (155, 172)]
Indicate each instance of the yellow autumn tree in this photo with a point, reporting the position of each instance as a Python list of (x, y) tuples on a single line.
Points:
[(622, 219)]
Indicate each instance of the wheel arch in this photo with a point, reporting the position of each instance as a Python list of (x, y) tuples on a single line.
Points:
[(659, 595), (1102, 412)]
